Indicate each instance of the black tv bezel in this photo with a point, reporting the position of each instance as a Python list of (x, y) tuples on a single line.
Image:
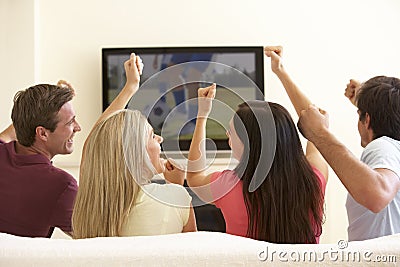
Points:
[(185, 144)]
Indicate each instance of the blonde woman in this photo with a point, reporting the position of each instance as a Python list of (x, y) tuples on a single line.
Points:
[(119, 159)]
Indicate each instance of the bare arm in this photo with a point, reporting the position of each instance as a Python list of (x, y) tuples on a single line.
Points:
[(8, 134), (133, 68), (197, 156), (372, 188), (191, 223), (196, 177), (300, 102)]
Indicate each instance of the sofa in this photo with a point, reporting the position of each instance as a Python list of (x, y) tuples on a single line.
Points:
[(193, 249)]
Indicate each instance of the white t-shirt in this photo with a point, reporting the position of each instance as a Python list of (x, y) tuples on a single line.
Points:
[(381, 153), (159, 209)]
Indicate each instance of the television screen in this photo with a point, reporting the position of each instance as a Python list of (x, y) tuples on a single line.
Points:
[(169, 83)]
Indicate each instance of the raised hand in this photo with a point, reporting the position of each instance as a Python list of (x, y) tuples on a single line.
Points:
[(275, 53), (351, 91), (312, 122), (65, 84), (205, 97), (133, 69), (174, 172)]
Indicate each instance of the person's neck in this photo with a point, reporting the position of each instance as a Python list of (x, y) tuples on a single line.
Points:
[(30, 150)]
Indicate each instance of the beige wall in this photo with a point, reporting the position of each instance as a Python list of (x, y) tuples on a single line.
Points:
[(16, 52), (326, 44)]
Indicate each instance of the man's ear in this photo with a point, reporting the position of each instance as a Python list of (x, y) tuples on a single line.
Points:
[(42, 133), (367, 121)]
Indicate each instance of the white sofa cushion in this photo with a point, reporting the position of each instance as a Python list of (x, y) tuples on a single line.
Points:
[(188, 249)]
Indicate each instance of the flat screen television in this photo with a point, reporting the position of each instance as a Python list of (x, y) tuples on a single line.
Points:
[(169, 83)]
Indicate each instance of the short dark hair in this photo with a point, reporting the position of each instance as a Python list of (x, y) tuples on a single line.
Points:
[(38, 106), (380, 98)]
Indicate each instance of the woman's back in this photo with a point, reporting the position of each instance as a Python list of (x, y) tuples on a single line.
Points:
[(227, 189), (158, 209)]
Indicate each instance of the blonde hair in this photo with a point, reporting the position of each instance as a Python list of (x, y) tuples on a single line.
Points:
[(114, 165)]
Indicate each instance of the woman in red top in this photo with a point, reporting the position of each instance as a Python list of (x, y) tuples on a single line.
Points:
[(276, 192)]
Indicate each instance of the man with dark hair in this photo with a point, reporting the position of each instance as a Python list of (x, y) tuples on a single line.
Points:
[(373, 203), (35, 196)]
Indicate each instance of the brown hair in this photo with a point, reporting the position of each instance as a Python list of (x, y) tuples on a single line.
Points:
[(380, 98), (287, 207), (38, 106)]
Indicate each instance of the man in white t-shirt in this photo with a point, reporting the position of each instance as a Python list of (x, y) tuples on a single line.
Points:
[(373, 183)]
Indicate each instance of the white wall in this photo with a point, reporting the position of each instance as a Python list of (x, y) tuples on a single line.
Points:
[(16, 52), (326, 44)]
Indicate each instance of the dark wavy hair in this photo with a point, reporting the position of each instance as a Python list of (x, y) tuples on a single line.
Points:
[(380, 98), (287, 206)]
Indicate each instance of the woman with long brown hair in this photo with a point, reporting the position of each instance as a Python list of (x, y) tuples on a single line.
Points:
[(276, 192)]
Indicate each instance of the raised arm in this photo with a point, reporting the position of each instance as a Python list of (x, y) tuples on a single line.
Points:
[(191, 223), (133, 69), (196, 176), (8, 134), (300, 102), (372, 188)]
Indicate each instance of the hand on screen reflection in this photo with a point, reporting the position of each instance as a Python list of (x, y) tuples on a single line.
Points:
[(205, 98), (155, 62)]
